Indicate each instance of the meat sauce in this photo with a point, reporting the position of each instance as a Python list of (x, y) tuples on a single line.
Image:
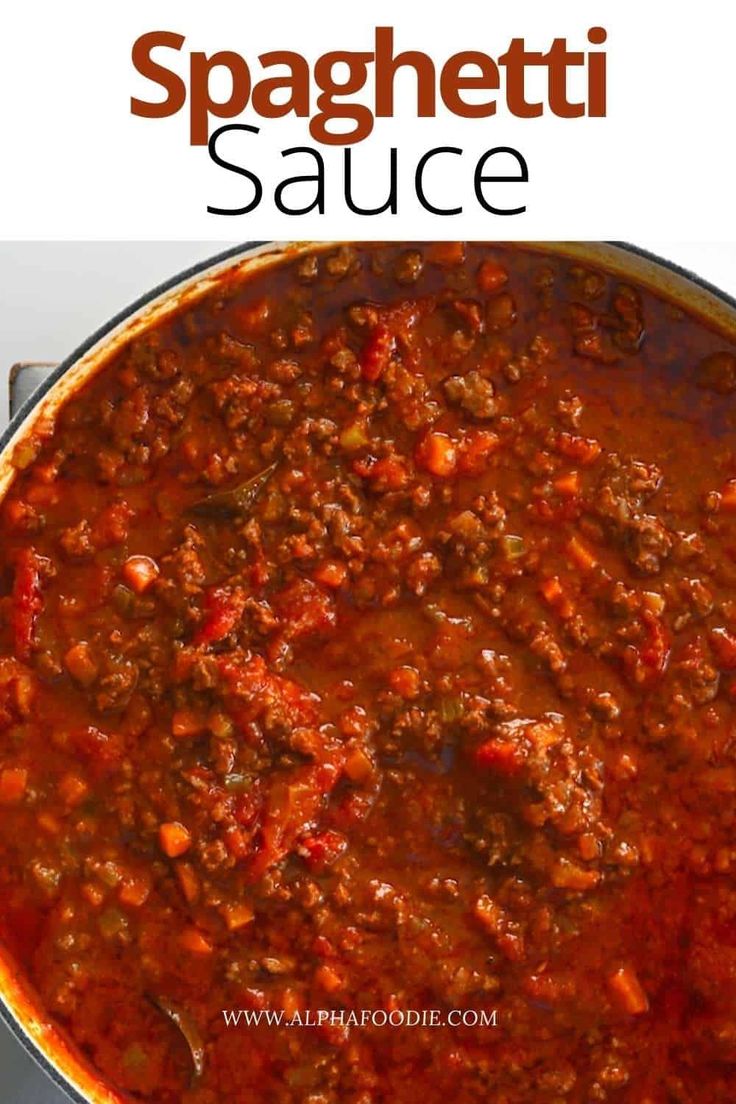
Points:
[(368, 642)]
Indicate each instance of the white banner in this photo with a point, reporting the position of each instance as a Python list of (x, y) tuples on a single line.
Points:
[(79, 164)]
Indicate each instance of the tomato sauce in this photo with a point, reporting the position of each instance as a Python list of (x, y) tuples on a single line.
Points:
[(368, 642)]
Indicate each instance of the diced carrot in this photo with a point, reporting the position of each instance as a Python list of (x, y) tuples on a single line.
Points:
[(81, 664), (568, 485), (333, 574), (567, 875), (188, 882), (499, 755), (437, 453), (174, 838), (193, 940), (551, 590), (405, 681), (327, 978), (490, 277), (187, 723), (140, 572), (581, 555), (49, 823), (728, 496), (135, 890), (72, 790), (237, 916), (358, 765), (627, 991), (13, 782), (446, 254)]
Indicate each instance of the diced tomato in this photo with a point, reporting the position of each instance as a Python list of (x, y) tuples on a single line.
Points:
[(646, 663), (293, 806), (103, 751), (237, 842), (389, 473), (322, 849), (655, 653), (582, 450), (27, 602), (254, 690), (376, 354), (499, 755), (223, 610), (304, 608)]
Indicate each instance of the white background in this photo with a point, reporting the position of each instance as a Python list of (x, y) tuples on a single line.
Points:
[(77, 164)]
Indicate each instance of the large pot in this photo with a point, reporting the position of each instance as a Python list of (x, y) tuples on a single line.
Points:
[(19, 1006)]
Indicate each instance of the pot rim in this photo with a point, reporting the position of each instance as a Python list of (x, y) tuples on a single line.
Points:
[(20, 1009)]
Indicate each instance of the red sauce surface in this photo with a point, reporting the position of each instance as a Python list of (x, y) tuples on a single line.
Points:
[(435, 712)]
